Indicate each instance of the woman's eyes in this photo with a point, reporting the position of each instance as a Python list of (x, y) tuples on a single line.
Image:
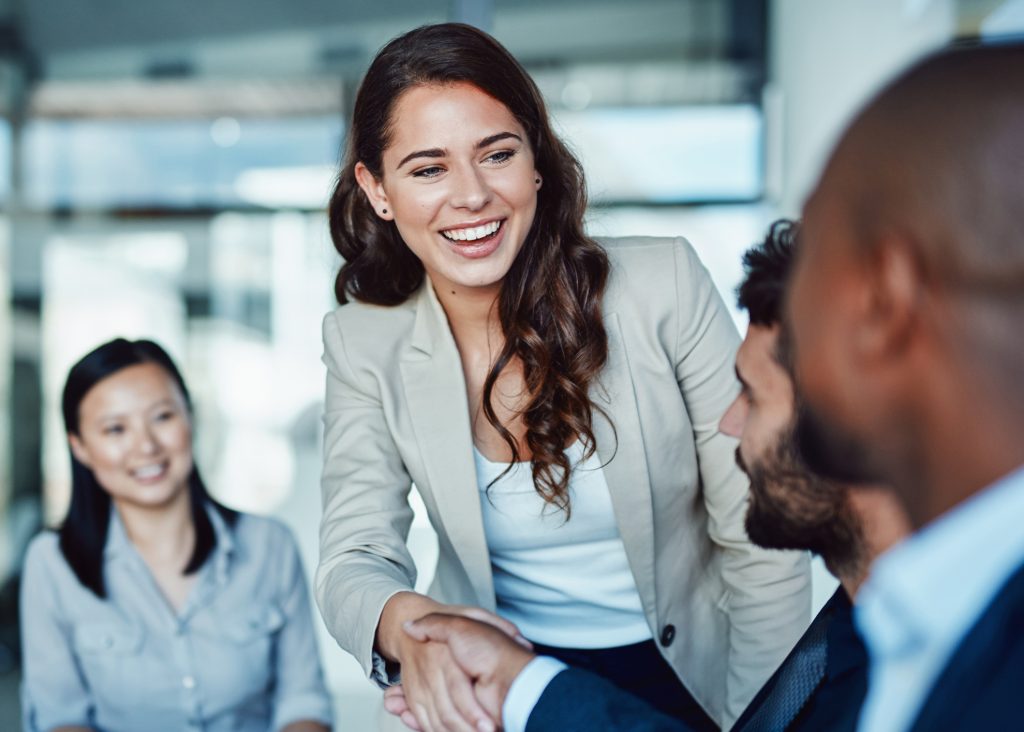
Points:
[(502, 156), (119, 429), (433, 171)]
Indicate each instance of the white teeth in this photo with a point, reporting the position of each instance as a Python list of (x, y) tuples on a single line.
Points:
[(150, 471), (472, 233)]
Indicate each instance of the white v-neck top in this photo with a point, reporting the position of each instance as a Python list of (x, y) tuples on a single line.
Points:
[(564, 583)]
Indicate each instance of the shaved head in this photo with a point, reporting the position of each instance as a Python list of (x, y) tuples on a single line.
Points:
[(940, 153), (937, 159), (907, 301)]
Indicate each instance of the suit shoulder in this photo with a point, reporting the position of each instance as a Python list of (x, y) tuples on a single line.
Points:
[(372, 332), (354, 316), (640, 247), (651, 267)]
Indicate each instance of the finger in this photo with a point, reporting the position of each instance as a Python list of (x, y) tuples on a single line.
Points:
[(434, 627), (468, 708), (505, 626), (426, 719), (409, 720), (395, 704)]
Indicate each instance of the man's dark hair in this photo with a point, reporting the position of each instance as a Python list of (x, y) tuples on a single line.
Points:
[(766, 269)]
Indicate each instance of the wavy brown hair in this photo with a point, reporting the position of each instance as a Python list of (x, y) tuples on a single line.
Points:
[(549, 306)]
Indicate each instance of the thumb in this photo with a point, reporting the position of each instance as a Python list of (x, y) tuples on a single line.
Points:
[(427, 628)]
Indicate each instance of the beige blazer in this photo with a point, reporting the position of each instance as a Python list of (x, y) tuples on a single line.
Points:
[(397, 413)]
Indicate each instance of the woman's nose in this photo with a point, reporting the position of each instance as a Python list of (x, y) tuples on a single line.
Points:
[(147, 442), (469, 190)]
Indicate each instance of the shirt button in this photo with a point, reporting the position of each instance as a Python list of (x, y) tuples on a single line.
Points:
[(188, 682), (668, 634)]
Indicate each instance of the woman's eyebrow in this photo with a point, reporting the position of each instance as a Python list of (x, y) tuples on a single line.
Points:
[(434, 152), (437, 152), (495, 138)]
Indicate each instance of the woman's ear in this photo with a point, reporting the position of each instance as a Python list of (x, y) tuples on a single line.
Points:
[(79, 450), (374, 191)]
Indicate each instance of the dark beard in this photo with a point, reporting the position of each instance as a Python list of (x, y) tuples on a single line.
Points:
[(829, 451), (792, 508)]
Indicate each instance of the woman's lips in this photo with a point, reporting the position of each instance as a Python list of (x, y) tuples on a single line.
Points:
[(478, 248)]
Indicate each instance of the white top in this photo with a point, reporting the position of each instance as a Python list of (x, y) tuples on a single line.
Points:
[(925, 594), (564, 583)]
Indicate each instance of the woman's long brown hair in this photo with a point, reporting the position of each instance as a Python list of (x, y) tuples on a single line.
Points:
[(550, 301)]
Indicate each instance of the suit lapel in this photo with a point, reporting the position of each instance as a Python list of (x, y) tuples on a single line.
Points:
[(621, 451), (435, 390)]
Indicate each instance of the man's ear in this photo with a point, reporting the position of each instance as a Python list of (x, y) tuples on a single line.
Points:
[(79, 450), (895, 296), (374, 191)]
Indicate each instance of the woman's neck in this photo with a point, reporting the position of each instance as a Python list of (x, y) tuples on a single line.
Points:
[(472, 313), (162, 535)]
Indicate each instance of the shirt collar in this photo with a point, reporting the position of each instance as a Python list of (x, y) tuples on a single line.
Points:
[(933, 586), (220, 559), (117, 537)]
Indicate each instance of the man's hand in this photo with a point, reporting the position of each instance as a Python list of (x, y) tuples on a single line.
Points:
[(488, 656)]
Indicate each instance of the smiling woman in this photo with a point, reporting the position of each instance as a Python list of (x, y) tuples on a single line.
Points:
[(153, 606), (464, 207), (553, 399)]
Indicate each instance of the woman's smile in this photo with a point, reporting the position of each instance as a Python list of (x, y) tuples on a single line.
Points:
[(459, 183), (475, 242)]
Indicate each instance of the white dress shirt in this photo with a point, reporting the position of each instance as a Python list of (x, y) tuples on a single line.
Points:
[(924, 596)]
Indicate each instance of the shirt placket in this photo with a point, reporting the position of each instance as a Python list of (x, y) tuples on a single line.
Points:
[(182, 645), (212, 576)]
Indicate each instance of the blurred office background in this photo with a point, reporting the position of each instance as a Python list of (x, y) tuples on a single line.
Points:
[(164, 168)]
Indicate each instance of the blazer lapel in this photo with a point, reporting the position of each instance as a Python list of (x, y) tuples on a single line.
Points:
[(435, 390), (624, 462)]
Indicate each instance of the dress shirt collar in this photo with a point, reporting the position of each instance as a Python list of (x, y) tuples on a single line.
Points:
[(118, 542), (930, 589)]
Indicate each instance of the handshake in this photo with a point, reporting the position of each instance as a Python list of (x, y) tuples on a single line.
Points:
[(457, 670)]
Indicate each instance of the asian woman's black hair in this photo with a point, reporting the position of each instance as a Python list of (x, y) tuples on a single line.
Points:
[(83, 535)]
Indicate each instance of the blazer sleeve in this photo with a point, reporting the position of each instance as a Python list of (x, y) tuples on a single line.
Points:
[(364, 560), (768, 591), (579, 701)]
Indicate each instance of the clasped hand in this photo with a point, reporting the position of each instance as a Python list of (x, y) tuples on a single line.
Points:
[(457, 667)]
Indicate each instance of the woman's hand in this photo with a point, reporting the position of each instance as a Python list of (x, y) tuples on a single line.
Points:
[(438, 695)]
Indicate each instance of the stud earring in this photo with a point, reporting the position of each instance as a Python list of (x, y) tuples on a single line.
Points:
[(383, 210), (537, 181)]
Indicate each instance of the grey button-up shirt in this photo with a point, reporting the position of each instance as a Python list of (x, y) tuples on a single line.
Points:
[(240, 655)]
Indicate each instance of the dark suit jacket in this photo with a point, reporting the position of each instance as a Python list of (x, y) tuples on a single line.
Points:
[(578, 701), (981, 686), (835, 704)]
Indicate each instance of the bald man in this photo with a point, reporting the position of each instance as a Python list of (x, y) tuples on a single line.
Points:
[(907, 311)]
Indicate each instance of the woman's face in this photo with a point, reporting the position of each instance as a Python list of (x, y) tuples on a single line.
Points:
[(458, 180), (135, 434)]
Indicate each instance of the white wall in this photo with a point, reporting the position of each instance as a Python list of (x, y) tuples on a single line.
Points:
[(828, 57)]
